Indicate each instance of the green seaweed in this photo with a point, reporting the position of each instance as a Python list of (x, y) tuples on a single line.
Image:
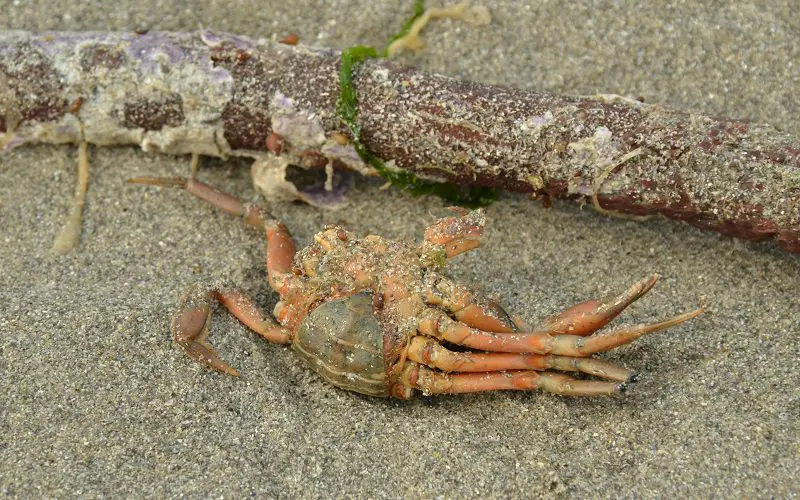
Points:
[(347, 109), (419, 9), (347, 104)]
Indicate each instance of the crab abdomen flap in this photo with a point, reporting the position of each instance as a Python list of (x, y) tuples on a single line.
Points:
[(342, 341)]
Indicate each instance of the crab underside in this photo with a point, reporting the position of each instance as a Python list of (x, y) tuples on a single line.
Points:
[(376, 316)]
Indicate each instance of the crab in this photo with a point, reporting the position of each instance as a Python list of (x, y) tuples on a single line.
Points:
[(377, 316)]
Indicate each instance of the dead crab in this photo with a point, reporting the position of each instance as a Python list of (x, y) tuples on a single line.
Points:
[(375, 316)]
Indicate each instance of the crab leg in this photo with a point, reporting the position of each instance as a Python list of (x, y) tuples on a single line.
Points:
[(432, 382), (429, 352), (190, 325), (466, 307), (592, 315), (439, 325), (251, 214), (580, 319), (457, 234), (280, 244)]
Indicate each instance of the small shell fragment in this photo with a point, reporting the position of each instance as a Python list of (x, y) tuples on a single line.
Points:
[(290, 39), (275, 143), (340, 138)]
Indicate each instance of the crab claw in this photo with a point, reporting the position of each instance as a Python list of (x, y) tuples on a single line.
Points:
[(457, 234), (591, 315), (190, 327)]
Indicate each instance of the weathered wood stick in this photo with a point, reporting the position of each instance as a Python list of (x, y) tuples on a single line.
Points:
[(216, 94)]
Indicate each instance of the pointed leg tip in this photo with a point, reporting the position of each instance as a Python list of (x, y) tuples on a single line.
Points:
[(636, 291), (207, 356), (648, 283), (140, 180), (229, 370), (681, 318), (190, 326), (173, 182)]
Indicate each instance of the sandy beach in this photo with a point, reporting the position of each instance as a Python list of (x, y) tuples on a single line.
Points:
[(99, 402)]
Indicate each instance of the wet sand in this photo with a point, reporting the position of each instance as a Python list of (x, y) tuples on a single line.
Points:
[(98, 401)]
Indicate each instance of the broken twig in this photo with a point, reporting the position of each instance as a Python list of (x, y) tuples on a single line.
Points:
[(220, 95)]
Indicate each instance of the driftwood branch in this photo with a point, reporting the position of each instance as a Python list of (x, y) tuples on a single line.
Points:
[(221, 95)]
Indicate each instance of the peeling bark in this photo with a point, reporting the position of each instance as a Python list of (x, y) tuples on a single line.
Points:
[(220, 95)]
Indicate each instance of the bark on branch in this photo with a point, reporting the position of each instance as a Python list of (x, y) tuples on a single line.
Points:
[(216, 94)]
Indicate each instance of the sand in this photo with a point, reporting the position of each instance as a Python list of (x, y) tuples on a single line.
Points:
[(98, 400)]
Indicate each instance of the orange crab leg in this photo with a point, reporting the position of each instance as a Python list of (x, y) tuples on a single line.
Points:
[(580, 319), (251, 214), (190, 328), (463, 305), (429, 352), (457, 234), (588, 317), (190, 325), (280, 254), (280, 244), (245, 310), (432, 382), (439, 325)]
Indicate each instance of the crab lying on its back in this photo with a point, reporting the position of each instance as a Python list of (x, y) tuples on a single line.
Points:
[(375, 316)]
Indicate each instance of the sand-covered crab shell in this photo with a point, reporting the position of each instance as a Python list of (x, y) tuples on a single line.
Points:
[(376, 316)]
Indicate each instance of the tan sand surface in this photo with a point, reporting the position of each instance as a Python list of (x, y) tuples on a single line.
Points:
[(98, 401)]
